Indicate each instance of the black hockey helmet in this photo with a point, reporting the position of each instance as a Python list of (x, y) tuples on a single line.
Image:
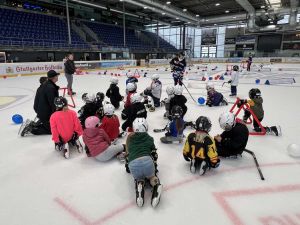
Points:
[(203, 124), (235, 68), (60, 102), (176, 112), (254, 93), (100, 96)]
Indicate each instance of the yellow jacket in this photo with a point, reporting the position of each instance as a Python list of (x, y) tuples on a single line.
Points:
[(200, 145)]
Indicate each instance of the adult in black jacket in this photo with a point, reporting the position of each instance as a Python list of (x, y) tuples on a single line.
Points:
[(135, 110), (178, 64), (69, 71), (178, 99), (113, 93), (37, 94), (234, 139), (44, 106)]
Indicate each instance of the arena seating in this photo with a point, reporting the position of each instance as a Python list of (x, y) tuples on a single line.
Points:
[(19, 28), (25, 29)]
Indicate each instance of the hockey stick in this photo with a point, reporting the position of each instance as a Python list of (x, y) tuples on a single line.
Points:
[(224, 83), (189, 92), (256, 163), (160, 130)]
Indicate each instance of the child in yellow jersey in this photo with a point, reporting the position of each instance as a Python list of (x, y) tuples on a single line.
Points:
[(200, 148)]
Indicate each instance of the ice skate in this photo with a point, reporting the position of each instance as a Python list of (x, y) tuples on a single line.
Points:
[(139, 186), (26, 127), (78, 145), (224, 102), (276, 130), (193, 166), (165, 140), (122, 134), (156, 194), (67, 153), (121, 157), (203, 167)]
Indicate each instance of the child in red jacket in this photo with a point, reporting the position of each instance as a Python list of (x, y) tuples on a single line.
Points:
[(98, 144), (65, 127), (110, 122)]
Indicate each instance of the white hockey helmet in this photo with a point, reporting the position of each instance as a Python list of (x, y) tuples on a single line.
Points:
[(129, 74), (131, 87), (136, 98), (170, 90), (88, 98), (108, 109), (178, 90), (155, 77), (227, 121), (114, 80), (210, 86), (140, 125)]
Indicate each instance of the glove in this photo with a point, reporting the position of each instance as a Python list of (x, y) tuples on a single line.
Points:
[(186, 158), (229, 82), (215, 165), (154, 155), (59, 146)]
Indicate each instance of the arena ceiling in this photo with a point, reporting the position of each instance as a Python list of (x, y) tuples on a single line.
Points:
[(192, 12)]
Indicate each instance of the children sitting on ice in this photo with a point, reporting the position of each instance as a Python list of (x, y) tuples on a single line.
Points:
[(175, 127), (166, 101), (154, 90), (214, 98), (178, 99), (110, 122), (113, 93), (65, 127), (98, 144)]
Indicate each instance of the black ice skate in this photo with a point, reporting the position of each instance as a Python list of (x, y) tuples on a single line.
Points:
[(67, 153), (156, 193), (26, 127), (276, 130), (139, 187)]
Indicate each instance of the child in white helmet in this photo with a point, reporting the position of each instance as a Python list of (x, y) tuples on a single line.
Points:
[(142, 158), (110, 122), (166, 101), (178, 99), (154, 90), (234, 139), (113, 93), (130, 90), (234, 81), (214, 98), (135, 110)]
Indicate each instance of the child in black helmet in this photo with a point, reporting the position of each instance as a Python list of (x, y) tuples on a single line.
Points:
[(256, 105), (200, 148), (175, 127)]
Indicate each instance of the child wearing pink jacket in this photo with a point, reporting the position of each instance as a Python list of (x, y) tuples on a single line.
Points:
[(98, 144), (65, 127)]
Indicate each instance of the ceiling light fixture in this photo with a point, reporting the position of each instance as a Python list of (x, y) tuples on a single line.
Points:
[(227, 11), (263, 6), (168, 3), (184, 10), (197, 15), (145, 7), (217, 4), (234, 17), (177, 18), (163, 13)]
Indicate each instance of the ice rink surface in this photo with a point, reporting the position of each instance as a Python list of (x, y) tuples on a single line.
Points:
[(40, 187)]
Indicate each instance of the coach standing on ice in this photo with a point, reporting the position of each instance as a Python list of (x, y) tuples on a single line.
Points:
[(69, 71)]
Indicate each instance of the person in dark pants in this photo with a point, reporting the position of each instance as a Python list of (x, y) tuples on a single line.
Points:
[(178, 64), (43, 106), (249, 62), (69, 71), (234, 139)]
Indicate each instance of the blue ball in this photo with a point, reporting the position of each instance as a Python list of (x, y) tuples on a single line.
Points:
[(201, 100), (221, 78), (17, 119), (257, 81), (210, 78)]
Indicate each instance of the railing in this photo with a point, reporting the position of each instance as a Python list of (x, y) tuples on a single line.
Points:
[(45, 44)]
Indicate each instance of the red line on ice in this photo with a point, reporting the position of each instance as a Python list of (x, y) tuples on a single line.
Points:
[(113, 213), (221, 197)]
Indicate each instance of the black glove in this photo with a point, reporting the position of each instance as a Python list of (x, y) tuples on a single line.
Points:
[(186, 158), (229, 82), (241, 102)]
